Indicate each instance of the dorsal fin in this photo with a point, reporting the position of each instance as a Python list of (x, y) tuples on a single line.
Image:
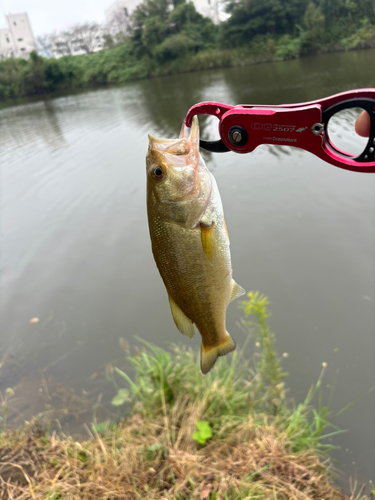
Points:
[(194, 135)]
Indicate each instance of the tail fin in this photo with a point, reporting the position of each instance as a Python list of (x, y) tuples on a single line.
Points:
[(210, 355)]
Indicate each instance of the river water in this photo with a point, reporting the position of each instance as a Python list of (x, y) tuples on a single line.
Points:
[(75, 249)]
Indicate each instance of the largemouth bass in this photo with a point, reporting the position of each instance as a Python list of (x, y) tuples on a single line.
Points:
[(190, 241)]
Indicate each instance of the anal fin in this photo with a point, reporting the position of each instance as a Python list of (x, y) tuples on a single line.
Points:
[(210, 355), (236, 291), (183, 323)]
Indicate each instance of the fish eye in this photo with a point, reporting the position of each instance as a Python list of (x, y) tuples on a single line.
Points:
[(157, 173)]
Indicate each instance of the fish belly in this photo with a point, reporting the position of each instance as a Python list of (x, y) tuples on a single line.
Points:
[(199, 287)]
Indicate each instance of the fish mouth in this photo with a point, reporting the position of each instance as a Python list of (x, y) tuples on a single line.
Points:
[(176, 147), (187, 140), (157, 140)]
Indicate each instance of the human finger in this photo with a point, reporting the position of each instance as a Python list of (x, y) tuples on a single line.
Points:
[(362, 125)]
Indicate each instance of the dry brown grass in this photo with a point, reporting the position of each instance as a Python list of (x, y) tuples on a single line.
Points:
[(144, 459)]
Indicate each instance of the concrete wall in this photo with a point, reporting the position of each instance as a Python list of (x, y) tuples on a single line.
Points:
[(7, 48), (21, 34)]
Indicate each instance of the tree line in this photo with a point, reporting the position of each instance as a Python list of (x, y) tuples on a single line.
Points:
[(318, 22), (166, 36)]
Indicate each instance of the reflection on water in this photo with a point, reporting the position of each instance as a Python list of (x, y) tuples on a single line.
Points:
[(45, 129), (51, 400), (75, 249)]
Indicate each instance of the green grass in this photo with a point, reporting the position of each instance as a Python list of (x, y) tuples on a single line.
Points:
[(233, 390)]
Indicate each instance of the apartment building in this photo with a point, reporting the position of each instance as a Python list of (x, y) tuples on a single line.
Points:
[(17, 40), (80, 39)]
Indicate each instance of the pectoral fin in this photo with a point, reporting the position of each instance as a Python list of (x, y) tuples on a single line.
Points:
[(183, 323), (208, 240), (236, 291), (210, 355)]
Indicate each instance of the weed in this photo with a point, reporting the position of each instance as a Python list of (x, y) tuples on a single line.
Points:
[(4, 404), (203, 433)]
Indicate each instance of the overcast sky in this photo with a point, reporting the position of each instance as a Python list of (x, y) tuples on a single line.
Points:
[(49, 15)]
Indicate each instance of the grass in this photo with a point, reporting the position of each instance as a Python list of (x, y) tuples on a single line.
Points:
[(232, 434)]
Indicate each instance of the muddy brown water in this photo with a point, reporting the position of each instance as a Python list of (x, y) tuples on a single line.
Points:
[(75, 250)]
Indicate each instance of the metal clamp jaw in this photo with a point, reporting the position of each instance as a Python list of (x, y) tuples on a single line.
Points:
[(244, 127)]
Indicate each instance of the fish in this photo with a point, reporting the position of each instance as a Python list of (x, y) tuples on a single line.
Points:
[(190, 241)]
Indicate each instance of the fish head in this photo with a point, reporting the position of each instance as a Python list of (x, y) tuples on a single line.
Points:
[(176, 172)]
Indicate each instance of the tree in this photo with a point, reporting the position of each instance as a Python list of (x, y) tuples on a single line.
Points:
[(45, 44), (80, 38), (313, 33), (62, 43), (260, 17), (86, 37), (119, 25), (165, 30), (332, 11), (33, 73)]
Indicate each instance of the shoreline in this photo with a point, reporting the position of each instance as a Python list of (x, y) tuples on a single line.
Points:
[(118, 72), (233, 433)]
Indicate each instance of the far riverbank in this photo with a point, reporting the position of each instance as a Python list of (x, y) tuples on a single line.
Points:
[(39, 75)]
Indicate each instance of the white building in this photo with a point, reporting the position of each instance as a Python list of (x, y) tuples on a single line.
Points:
[(80, 39), (17, 40), (7, 48)]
